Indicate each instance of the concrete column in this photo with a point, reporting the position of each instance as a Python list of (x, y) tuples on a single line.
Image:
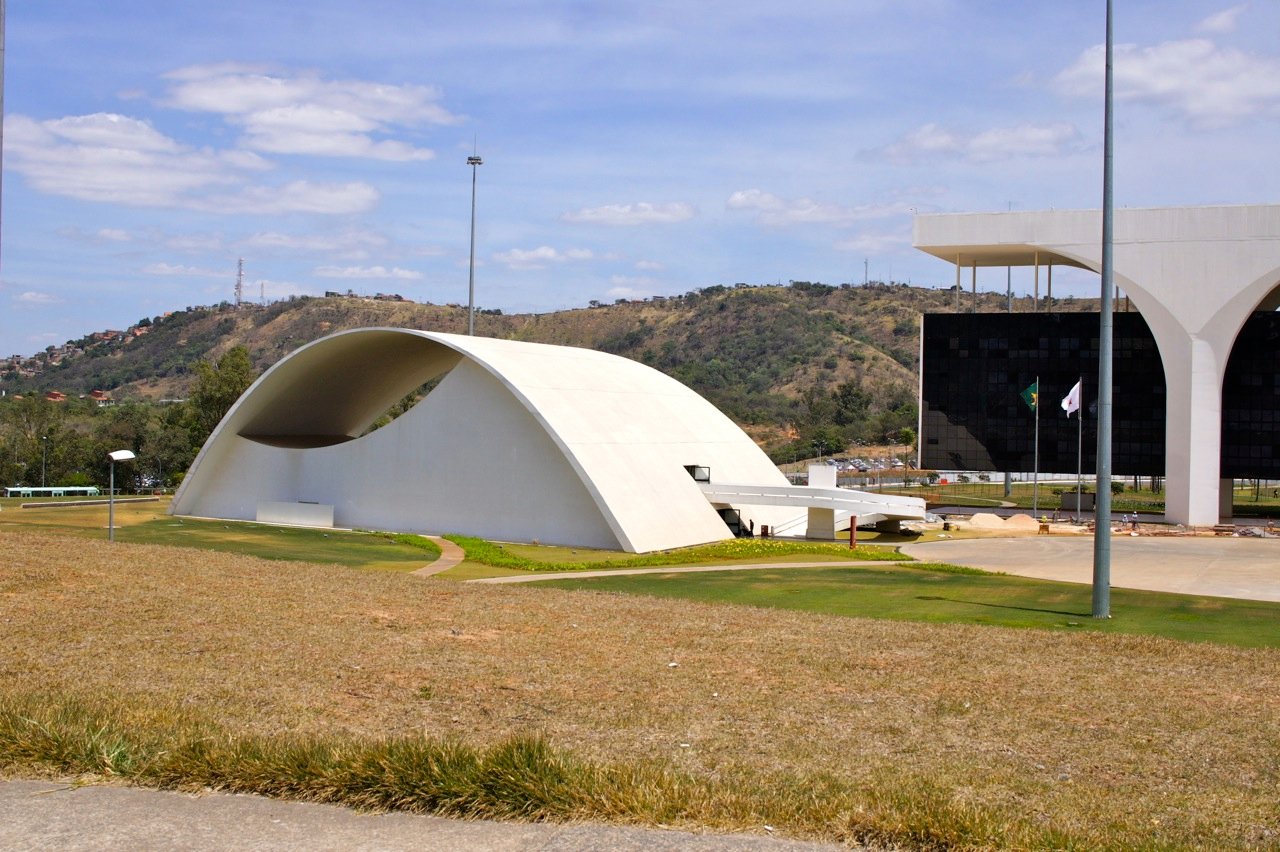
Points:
[(822, 524), (1226, 498), (1193, 432)]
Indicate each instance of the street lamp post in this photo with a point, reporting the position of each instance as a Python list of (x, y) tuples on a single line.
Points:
[(115, 456), (1102, 505), (472, 161), (44, 456)]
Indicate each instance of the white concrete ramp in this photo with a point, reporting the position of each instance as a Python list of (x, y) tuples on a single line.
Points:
[(867, 506)]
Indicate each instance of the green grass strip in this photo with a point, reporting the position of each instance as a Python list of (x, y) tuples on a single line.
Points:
[(352, 548), (734, 550), (949, 594)]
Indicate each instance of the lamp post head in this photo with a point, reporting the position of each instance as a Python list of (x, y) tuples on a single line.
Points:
[(474, 161), (121, 455)]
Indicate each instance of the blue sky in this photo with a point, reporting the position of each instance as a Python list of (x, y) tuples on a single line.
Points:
[(629, 149)]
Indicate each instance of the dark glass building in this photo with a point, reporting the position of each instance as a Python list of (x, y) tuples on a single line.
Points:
[(975, 368), (1251, 401)]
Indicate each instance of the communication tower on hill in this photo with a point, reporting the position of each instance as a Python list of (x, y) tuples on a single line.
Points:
[(240, 283)]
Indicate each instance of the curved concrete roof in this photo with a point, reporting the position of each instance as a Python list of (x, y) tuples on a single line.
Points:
[(519, 441)]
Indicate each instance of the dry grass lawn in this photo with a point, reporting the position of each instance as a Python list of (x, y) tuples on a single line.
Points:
[(1112, 740)]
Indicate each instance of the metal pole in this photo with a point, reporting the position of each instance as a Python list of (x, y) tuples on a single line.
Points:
[(1102, 509), (472, 161), (1036, 303), (1080, 450), (957, 284), (44, 450), (1008, 288), (1035, 473), (111, 505)]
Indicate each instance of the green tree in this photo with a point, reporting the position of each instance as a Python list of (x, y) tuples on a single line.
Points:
[(852, 404), (216, 388)]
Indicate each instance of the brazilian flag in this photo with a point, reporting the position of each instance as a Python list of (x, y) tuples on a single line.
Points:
[(1031, 396)]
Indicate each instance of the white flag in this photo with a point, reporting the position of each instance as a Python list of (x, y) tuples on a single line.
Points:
[(1071, 402)]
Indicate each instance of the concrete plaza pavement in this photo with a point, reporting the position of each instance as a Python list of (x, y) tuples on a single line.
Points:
[(1247, 568), (45, 816)]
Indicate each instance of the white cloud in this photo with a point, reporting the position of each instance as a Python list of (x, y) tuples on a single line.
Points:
[(322, 132), (368, 272), (284, 289), (108, 130), (630, 288), (1025, 140), (348, 245), (32, 297), (639, 213), (869, 242), (923, 141), (650, 265), (1203, 83), (115, 159), (298, 196), (1223, 22), (999, 143), (305, 114), (540, 257), (114, 235), (773, 210), (184, 271), (195, 243), (110, 158)]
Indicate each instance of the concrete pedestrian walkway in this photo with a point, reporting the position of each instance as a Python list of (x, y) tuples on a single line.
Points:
[(450, 555), (677, 569), (1246, 568), (43, 816)]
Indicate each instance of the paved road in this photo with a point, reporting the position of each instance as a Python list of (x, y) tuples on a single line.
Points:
[(1246, 568), (42, 816)]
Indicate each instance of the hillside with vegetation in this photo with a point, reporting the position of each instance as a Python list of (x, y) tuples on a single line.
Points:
[(799, 366)]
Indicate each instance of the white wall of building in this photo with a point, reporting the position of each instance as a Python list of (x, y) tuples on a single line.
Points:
[(519, 441)]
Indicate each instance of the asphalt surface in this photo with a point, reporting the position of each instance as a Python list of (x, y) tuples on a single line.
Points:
[(1228, 567), (45, 816)]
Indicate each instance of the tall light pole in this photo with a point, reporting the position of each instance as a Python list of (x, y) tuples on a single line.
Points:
[(1102, 508), (472, 161), (115, 456), (44, 450)]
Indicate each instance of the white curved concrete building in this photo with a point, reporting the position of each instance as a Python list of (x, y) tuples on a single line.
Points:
[(517, 442), (1195, 273)]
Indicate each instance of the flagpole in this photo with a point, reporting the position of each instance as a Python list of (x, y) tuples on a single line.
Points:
[(1035, 472), (1079, 447)]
